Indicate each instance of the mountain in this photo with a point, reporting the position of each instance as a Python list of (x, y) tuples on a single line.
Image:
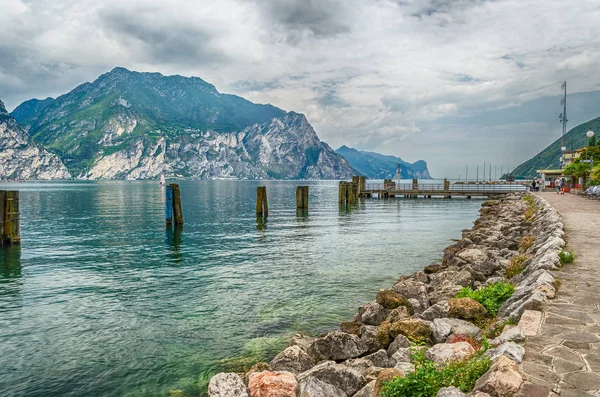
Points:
[(20, 158), (29, 108), (131, 125), (549, 157), (378, 166)]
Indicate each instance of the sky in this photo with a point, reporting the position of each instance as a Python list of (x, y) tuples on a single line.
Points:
[(453, 82)]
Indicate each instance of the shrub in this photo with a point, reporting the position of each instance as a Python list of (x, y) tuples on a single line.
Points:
[(496, 328), (516, 266), (526, 243), (566, 256), (491, 297), (532, 208), (429, 377)]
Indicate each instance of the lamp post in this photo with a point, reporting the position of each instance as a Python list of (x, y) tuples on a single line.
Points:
[(590, 135), (562, 162)]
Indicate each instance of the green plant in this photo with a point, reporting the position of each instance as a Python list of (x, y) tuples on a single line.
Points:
[(429, 377), (526, 242), (516, 266), (566, 256), (491, 297), (495, 329)]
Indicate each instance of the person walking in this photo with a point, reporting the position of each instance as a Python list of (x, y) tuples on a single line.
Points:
[(557, 185), (563, 184)]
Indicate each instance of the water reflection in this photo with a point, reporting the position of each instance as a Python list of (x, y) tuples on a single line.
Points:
[(302, 214), (10, 266), (173, 240), (261, 223)]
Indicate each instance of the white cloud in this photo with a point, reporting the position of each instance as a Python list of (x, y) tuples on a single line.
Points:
[(381, 75)]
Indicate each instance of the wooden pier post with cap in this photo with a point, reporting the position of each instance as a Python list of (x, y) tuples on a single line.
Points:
[(177, 210), (262, 205), (302, 197), (11, 228)]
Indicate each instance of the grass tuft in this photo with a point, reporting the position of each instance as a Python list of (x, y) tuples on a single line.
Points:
[(516, 266), (491, 297), (566, 256), (526, 242)]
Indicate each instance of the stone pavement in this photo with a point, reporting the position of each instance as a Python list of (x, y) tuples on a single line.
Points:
[(564, 359)]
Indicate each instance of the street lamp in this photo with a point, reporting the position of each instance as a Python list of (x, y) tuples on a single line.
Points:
[(589, 134)]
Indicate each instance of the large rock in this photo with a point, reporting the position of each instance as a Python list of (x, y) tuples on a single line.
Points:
[(385, 376), (439, 310), (380, 359), (509, 349), (273, 384), (227, 385), (350, 327), (360, 365), (314, 387), (366, 391), (399, 313), (444, 291), (514, 334), (450, 392), (292, 359), (304, 341), (391, 299), (412, 328), (432, 268), (258, 367), (445, 327), (443, 353), (383, 334), (466, 308), (336, 346), (502, 379), (402, 355), (338, 375), (399, 342), (368, 334), (413, 289), (462, 278), (372, 313)]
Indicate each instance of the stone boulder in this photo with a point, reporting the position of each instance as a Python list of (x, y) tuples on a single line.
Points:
[(336, 346), (439, 310), (472, 255), (391, 299), (313, 387), (404, 367), (366, 391), (380, 359), (462, 278), (350, 327), (292, 359), (443, 328), (360, 365), (509, 349), (443, 353), (413, 289), (412, 328), (502, 379), (383, 334), (368, 335), (338, 375), (304, 341), (399, 342), (227, 385), (450, 392), (399, 313), (385, 376), (466, 308), (258, 367), (272, 384), (402, 355), (432, 268), (444, 291), (514, 334), (372, 314)]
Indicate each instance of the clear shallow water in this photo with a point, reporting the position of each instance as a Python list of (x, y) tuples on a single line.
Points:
[(101, 300)]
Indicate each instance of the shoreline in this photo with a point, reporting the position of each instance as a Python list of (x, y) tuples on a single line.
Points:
[(376, 346)]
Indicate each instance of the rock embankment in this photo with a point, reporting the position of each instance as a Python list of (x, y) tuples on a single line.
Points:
[(515, 243)]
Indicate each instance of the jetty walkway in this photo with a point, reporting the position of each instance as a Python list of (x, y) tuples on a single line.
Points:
[(564, 359)]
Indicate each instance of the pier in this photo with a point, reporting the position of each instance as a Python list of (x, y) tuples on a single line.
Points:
[(424, 189)]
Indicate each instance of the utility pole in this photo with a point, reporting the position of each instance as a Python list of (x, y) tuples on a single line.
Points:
[(490, 172), (467, 174), (477, 180), (563, 116), (483, 175), (495, 172)]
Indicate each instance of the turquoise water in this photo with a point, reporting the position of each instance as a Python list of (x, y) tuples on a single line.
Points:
[(102, 300)]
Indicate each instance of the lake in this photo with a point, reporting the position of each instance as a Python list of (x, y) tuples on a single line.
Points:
[(102, 300)]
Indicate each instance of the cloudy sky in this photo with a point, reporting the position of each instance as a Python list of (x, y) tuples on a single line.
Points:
[(454, 82)]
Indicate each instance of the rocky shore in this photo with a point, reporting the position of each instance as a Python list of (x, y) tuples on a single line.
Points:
[(466, 314)]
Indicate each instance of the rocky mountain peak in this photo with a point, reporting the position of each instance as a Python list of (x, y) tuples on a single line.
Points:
[(3, 111)]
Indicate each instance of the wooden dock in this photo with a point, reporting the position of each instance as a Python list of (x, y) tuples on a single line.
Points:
[(424, 189)]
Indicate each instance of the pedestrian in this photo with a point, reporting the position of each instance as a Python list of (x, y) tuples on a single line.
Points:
[(533, 185), (557, 185), (563, 184)]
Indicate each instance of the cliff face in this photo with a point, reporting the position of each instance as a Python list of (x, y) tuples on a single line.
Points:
[(378, 166), (21, 158), (129, 125)]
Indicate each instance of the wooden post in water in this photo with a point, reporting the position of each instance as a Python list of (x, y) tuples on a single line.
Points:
[(262, 205), (362, 183), (446, 184), (177, 210), (11, 233), (415, 184), (302, 197), (2, 210), (169, 205)]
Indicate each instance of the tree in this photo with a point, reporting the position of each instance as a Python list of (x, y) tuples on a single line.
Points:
[(593, 141), (578, 169)]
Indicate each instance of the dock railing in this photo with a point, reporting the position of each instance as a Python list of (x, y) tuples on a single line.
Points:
[(453, 187)]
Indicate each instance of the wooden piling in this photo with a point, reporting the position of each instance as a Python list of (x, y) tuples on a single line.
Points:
[(169, 205), (415, 184), (262, 205), (12, 229), (177, 210), (302, 197), (446, 184), (2, 210), (362, 184)]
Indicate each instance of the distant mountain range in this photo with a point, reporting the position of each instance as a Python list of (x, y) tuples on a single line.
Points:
[(549, 157), (378, 166), (131, 125)]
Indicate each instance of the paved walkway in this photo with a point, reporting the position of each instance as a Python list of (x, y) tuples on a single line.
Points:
[(564, 360)]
